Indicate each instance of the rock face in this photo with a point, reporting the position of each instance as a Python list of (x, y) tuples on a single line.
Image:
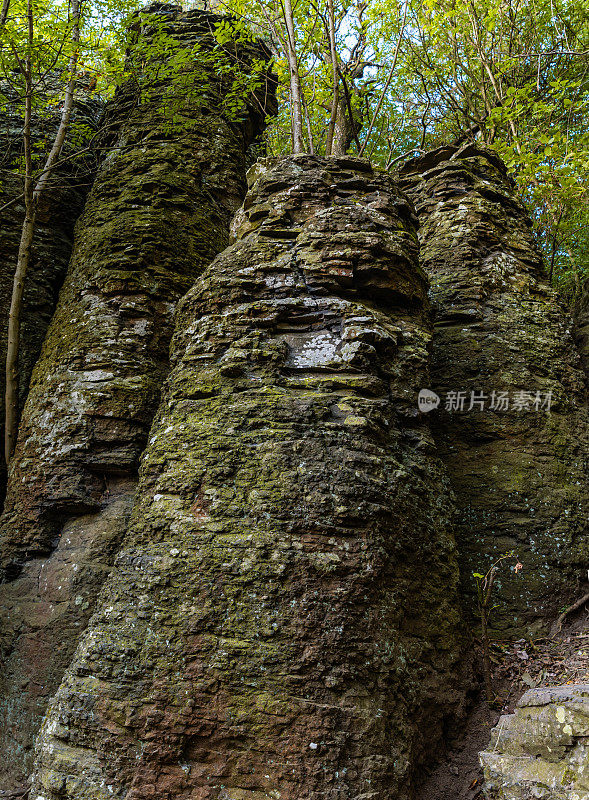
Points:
[(581, 313), (281, 621), (519, 474), (541, 751), (158, 213), (52, 245)]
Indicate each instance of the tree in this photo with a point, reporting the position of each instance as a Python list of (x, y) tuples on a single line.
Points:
[(382, 80), (42, 43), (33, 192), (514, 77), (387, 80)]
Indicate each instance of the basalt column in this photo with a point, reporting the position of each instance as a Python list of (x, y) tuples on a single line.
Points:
[(56, 215), (281, 621), (581, 316), (158, 213), (512, 424)]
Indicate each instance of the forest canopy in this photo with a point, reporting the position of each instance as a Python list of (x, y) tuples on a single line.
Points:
[(383, 79)]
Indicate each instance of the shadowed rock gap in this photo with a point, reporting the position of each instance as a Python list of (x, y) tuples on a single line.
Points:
[(581, 315), (57, 214)]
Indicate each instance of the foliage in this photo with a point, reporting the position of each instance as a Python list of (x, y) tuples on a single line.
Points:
[(512, 75), (515, 76), (384, 79), (484, 586)]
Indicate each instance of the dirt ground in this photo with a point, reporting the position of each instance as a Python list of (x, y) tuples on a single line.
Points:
[(548, 661)]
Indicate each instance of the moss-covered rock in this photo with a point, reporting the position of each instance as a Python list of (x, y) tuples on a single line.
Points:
[(157, 214), (519, 474), (581, 316), (57, 213), (282, 620), (541, 751)]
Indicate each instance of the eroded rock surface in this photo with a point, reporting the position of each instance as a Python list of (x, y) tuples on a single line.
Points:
[(158, 212), (541, 751), (282, 618), (519, 474), (581, 314), (57, 213)]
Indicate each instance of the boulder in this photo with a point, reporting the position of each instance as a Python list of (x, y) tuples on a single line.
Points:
[(542, 750)]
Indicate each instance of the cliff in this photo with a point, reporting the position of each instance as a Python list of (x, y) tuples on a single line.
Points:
[(158, 212), (282, 618), (231, 546), (516, 439)]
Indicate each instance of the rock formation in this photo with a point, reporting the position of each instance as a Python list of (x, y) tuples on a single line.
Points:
[(157, 214), (52, 243), (581, 313), (502, 336), (542, 750), (282, 617)]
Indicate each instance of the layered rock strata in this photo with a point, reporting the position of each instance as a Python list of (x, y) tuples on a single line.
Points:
[(581, 315), (57, 213), (516, 440), (281, 621), (158, 212), (542, 750)]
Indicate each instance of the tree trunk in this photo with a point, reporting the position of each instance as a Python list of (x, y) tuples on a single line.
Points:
[(335, 103), (67, 105), (23, 259), (298, 142), (32, 198), (4, 13)]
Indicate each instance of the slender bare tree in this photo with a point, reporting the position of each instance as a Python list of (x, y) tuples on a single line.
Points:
[(33, 193)]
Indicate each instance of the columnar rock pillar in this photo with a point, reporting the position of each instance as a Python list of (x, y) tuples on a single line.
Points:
[(516, 440), (581, 315), (52, 244), (281, 621), (158, 213)]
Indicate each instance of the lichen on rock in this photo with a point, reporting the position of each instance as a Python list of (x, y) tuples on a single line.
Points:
[(541, 751), (581, 317), (282, 620), (519, 474)]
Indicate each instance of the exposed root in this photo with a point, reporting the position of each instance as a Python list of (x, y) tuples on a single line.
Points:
[(558, 624)]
